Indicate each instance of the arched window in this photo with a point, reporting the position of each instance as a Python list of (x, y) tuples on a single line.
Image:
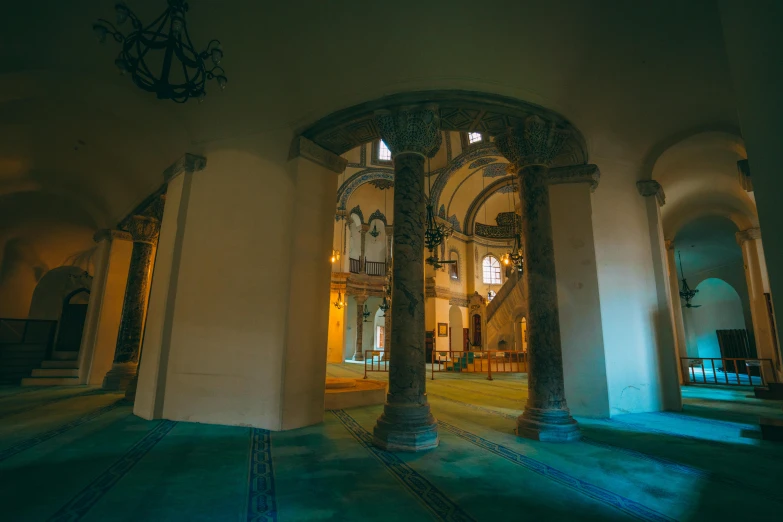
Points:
[(491, 268), (384, 153)]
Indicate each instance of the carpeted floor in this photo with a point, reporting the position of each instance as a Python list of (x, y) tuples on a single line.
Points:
[(78, 453)]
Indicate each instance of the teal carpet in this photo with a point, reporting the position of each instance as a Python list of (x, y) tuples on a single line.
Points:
[(78, 453)]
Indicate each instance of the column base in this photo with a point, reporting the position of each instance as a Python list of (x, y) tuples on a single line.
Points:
[(548, 425), (406, 427), (120, 376), (357, 356)]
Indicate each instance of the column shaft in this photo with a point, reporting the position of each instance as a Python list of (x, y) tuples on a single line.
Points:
[(387, 321), (358, 353)]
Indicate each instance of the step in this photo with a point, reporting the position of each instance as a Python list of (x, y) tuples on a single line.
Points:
[(50, 381), (55, 372), (762, 392), (65, 356), (71, 365), (771, 429), (776, 387)]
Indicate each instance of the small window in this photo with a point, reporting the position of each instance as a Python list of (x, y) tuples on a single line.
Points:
[(474, 137), (384, 153), (454, 267), (491, 268)]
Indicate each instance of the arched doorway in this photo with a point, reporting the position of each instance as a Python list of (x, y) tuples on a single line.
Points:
[(71, 324)]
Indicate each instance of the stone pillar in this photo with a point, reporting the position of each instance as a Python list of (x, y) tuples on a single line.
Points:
[(144, 232), (358, 353), (755, 275), (362, 260), (530, 149), (406, 423)]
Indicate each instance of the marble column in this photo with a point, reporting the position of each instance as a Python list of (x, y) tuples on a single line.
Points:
[(755, 275), (679, 326), (358, 353), (406, 424), (531, 149), (362, 260), (144, 232)]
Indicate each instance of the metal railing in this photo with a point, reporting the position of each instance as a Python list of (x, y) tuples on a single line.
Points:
[(376, 360), (474, 361), (355, 265), (729, 371), (375, 268)]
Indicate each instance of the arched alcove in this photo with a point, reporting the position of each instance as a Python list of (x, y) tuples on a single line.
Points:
[(53, 290), (720, 308), (71, 322)]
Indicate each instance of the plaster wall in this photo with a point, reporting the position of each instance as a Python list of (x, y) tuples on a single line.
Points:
[(584, 361), (227, 323), (336, 335), (629, 301), (720, 309)]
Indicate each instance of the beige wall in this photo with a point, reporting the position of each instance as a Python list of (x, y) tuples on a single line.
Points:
[(250, 237), (581, 331)]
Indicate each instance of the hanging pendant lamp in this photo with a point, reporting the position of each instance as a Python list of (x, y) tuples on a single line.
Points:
[(686, 292)]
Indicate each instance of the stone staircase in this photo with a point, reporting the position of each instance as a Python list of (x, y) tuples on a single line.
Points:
[(509, 303), (61, 370)]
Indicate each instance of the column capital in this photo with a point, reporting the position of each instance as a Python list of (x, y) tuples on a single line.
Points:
[(361, 298), (535, 142), (187, 163), (304, 148), (108, 234), (748, 234), (142, 229), (410, 130), (650, 187), (587, 173)]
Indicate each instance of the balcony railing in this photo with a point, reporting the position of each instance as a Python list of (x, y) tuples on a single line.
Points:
[(355, 266), (375, 268), (728, 371)]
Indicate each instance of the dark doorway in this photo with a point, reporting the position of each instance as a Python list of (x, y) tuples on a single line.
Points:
[(69, 332)]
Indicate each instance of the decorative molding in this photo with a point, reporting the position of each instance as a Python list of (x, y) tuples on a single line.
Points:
[(304, 148), (447, 136), (496, 170), (382, 184), (142, 229), (748, 234), (537, 141), (503, 230), (743, 171), (454, 222), (360, 178), (587, 173), (442, 212), (376, 215), (187, 163), (363, 155), (481, 162), (460, 266), (111, 234), (358, 211), (410, 130), (457, 163), (650, 187), (459, 301)]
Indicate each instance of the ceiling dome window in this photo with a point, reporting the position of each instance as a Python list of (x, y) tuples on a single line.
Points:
[(474, 137), (384, 153)]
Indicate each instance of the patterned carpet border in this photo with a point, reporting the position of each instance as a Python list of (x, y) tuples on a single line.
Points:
[(431, 497), (52, 401), (38, 439), (261, 501), (79, 505), (602, 495)]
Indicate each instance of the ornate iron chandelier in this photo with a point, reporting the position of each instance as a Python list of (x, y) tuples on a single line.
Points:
[(514, 257), (366, 314), (686, 292), (165, 46), (339, 304), (434, 233), (386, 303)]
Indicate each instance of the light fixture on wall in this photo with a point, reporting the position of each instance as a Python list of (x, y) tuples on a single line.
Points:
[(686, 292), (374, 232), (386, 303), (335, 256), (339, 304), (366, 314), (180, 72)]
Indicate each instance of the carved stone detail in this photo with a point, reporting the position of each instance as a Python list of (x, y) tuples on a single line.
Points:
[(413, 130), (304, 148), (187, 163), (143, 229), (749, 234), (650, 187), (588, 173), (107, 234), (537, 142)]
